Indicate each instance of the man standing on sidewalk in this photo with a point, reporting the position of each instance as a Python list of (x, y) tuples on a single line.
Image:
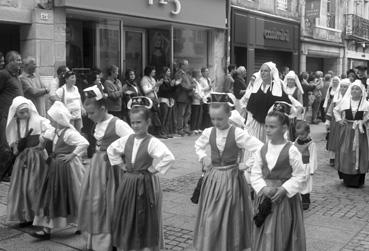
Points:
[(10, 87)]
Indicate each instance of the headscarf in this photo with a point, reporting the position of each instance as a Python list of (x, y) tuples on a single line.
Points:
[(329, 90), (60, 114), (93, 92), (276, 81), (237, 119), (338, 96), (35, 119), (292, 75), (346, 100)]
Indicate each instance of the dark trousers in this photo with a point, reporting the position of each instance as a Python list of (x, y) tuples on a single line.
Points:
[(167, 118), (315, 109), (183, 115), (196, 117), (322, 110), (156, 125), (6, 156), (206, 121)]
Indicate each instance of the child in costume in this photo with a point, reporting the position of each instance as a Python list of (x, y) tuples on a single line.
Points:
[(278, 176), (224, 215), (307, 148), (26, 132), (137, 211), (57, 202), (101, 180), (352, 115)]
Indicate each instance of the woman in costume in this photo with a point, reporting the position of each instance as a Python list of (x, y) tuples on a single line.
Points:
[(352, 114), (101, 180), (224, 215), (26, 133), (137, 212)]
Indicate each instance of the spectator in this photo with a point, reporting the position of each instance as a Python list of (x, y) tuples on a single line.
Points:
[(227, 86), (70, 96), (239, 87), (130, 89), (198, 95), (114, 89), (361, 74), (207, 86), (166, 98), (57, 81), (184, 93), (149, 88), (307, 88), (318, 83), (2, 61), (10, 87), (326, 83), (33, 88), (285, 71), (351, 74)]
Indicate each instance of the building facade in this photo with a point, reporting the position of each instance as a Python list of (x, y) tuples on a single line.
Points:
[(128, 33), (264, 31)]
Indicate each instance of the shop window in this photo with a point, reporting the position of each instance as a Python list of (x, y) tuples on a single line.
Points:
[(331, 13), (191, 45), (282, 4)]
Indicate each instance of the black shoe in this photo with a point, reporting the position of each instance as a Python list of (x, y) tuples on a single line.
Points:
[(331, 162), (25, 224), (305, 206), (6, 179), (188, 132), (78, 232), (42, 235)]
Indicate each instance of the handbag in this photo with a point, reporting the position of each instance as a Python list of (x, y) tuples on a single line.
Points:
[(196, 193)]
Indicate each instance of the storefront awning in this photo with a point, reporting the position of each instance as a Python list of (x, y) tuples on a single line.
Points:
[(208, 13), (15, 15)]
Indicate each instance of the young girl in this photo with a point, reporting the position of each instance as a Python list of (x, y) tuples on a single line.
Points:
[(352, 114), (57, 202), (224, 216), (137, 211), (307, 149), (278, 176), (101, 180), (26, 131)]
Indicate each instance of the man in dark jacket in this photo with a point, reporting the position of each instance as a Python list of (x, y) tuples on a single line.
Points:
[(10, 87)]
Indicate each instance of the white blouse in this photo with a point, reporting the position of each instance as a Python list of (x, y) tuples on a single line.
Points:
[(293, 185), (164, 158), (74, 138), (243, 140), (121, 128), (71, 99)]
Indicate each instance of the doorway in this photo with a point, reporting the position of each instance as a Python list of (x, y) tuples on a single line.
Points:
[(134, 50)]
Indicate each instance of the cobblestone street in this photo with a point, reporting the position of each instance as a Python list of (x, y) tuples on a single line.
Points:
[(337, 220)]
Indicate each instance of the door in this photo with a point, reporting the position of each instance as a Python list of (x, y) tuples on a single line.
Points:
[(134, 50)]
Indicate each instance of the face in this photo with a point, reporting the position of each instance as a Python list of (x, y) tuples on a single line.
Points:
[(361, 73), (356, 92), (115, 73), (132, 75), (96, 114), (265, 73), (98, 78), (16, 63), (168, 73), (352, 77), (343, 89), (23, 113), (138, 123), (291, 83), (301, 132), (153, 73), (71, 80), (30, 67), (219, 117), (335, 82), (205, 73), (273, 128)]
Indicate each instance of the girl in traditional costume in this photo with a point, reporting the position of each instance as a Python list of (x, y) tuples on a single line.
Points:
[(26, 132), (278, 176), (265, 91), (307, 148), (224, 215), (328, 106), (137, 212), (101, 180), (352, 114), (57, 201)]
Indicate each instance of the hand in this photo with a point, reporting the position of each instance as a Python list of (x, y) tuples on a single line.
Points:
[(206, 163), (242, 91), (269, 191), (67, 157), (342, 122), (279, 195)]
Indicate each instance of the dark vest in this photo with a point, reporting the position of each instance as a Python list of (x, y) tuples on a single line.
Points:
[(230, 153), (282, 169), (358, 115), (143, 160), (61, 147), (109, 137)]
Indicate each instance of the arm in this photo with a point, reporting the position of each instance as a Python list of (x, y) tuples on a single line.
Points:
[(160, 152), (72, 137), (245, 141), (337, 113), (296, 183), (146, 86), (47, 130), (32, 91), (111, 90), (256, 178), (201, 143), (116, 150), (313, 160), (122, 128)]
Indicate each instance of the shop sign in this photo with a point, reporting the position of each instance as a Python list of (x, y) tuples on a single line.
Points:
[(280, 35), (177, 5)]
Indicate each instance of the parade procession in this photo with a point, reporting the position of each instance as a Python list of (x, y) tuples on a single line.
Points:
[(194, 125)]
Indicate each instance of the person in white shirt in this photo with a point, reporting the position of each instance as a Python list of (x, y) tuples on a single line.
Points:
[(207, 86)]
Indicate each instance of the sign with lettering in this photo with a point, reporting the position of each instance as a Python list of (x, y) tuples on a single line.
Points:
[(274, 34), (44, 16), (177, 5)]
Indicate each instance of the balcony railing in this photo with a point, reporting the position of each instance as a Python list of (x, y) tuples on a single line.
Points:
[(357, 27)]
